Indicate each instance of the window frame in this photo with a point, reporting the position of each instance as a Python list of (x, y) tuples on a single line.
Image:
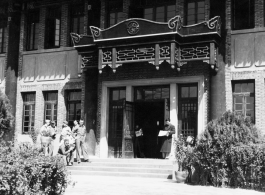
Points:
[(251, 24), (75, 102), (196, 11), (3, 27), (31, 116), (53, 103), (77, 16), (32, 19), (154, 10), (244, 95), (50, 34)]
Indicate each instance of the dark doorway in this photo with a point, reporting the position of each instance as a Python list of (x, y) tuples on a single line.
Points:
[(150, 117)]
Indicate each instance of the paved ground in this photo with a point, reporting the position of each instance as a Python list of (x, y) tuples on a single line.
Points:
[(106, 185)]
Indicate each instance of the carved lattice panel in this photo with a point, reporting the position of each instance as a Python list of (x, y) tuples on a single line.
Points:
[(194, 53), (89, 61), (164, 51), (106, 56), (135, 54)]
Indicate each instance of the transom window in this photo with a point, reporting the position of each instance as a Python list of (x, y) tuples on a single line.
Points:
[(73, 106), (244, 98), (53, 25), (50, 107), (243, 14), (195, 11), (32, 30), (28, 111), (3, 34), (151, 93)]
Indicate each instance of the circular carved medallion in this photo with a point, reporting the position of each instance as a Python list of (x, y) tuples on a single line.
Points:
[(133, 27)]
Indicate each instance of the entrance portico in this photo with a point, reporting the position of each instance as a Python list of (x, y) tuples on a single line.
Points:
[(131, 84), (141, 53)]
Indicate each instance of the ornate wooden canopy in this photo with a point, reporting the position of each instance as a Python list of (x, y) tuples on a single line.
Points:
[(137, 40)]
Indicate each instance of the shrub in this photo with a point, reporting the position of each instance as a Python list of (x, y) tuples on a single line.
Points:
[(229, 153), (6, 117), (26, 171)]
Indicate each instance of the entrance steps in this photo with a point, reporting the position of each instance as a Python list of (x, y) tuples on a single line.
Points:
[(149, 168)]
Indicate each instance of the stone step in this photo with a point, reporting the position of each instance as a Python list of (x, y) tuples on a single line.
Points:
[(121, 169), (124, 164), (134, 160), (121, 174)]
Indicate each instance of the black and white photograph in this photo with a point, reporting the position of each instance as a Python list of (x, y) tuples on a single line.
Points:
[(132, 97)]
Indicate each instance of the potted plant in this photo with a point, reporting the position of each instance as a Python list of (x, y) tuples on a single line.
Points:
[(182, 166)]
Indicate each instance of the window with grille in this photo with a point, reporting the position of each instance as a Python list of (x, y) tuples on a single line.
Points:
[(160, 13), (3, 34), (115, 13), (73, 107), (195, 11), (32, 30), (243, 14), (77, 19), (53, 25), (28, 111), (244, 98), (50, 106), (188, 109)]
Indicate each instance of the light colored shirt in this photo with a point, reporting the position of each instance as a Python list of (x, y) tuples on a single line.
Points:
[(66, 131), (81, 131), (45, 130)]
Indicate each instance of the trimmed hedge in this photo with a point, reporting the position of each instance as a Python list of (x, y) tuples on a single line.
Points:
[(26, 171)]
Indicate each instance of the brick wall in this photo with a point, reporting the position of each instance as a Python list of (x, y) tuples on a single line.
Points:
[(65, 26), (232, 74), (259, 13)]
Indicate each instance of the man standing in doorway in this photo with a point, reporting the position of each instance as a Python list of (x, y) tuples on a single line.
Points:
[(80, 142)]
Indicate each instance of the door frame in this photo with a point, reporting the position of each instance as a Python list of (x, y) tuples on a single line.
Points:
[(129, 84)]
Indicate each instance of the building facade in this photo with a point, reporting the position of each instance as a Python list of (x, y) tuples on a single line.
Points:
[(121, 63)]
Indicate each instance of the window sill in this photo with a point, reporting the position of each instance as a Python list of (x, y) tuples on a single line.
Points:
[(48, 50), (245, 31), (2, 54)]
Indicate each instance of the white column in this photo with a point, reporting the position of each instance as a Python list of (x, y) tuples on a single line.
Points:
[(104, 122), (174, 105), (129, 93), (173, 114)]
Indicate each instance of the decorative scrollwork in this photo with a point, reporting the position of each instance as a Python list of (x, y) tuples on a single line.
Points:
[(131, 54), (214, 22), (190, 53), (107, 56), (95, 31), (175, 23), (76, 37), (133, 27), (89, 61), (164, 51)]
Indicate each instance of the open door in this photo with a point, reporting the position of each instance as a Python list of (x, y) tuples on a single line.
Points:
[(128, 130)]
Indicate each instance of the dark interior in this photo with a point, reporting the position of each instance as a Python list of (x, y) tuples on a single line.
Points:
[(147, 115)]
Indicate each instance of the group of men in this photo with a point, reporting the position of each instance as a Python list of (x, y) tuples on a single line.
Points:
[(68, 140)]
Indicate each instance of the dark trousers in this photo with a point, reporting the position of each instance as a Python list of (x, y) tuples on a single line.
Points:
[(80, 147)]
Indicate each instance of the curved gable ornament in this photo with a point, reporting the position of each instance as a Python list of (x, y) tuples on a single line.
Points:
[(175, 23), (95, 31), (76, 37), (133, 27), (214, 23)]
